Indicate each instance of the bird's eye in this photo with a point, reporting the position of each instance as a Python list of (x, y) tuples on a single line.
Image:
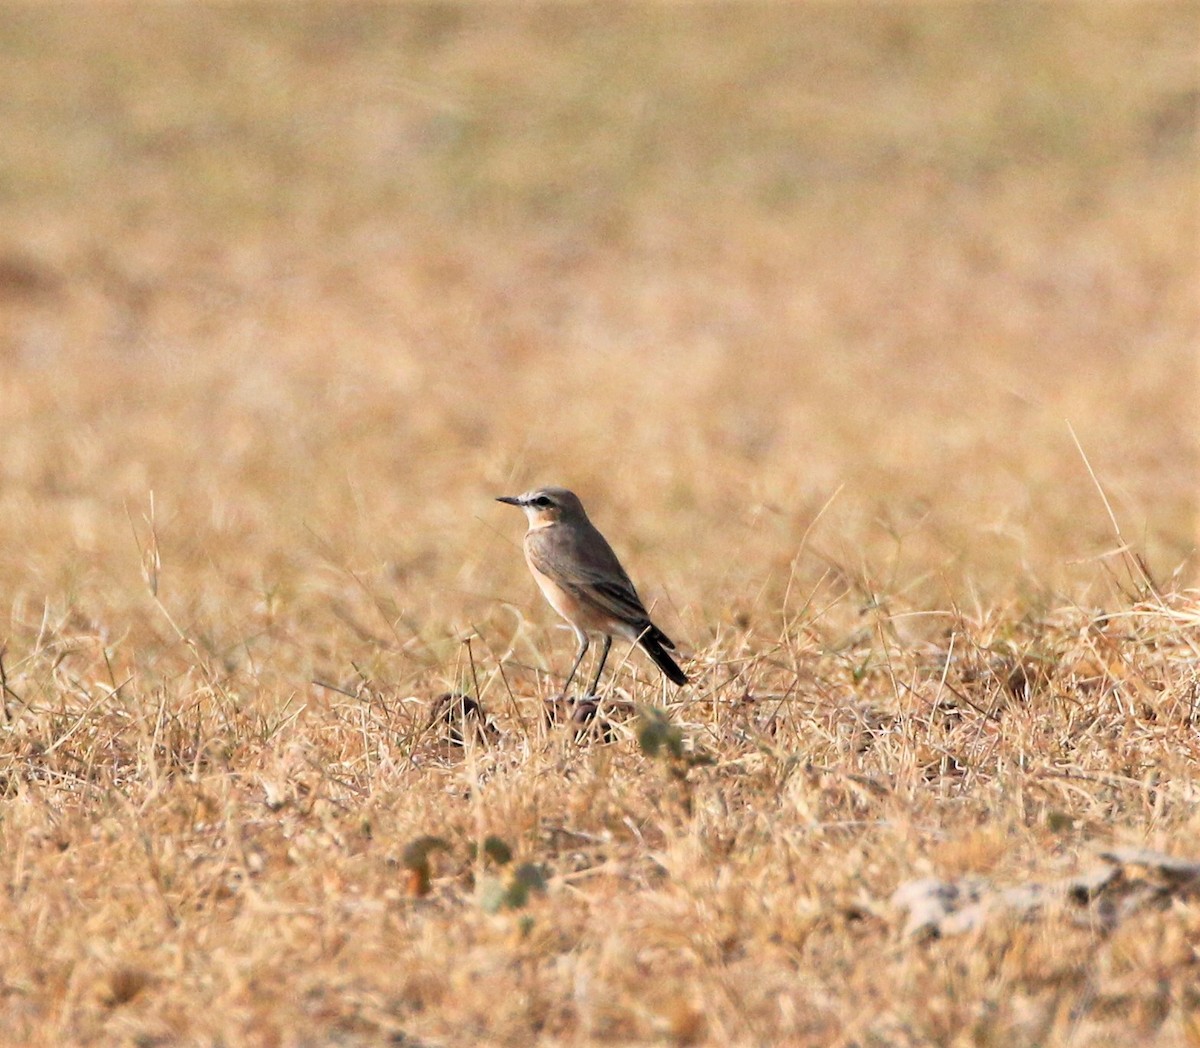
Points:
[(541, 501)]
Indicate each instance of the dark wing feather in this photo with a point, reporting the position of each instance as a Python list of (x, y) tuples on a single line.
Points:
[(589, 570)]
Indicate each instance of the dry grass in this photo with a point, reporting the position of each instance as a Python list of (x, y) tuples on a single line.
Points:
[(801, 301)]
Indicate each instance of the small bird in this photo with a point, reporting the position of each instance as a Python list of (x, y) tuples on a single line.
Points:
[(579, 574)]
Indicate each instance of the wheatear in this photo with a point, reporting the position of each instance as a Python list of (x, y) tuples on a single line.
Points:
[(579, 574)]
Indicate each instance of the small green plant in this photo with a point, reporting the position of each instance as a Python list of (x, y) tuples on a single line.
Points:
[(658, 738), (511, 889)]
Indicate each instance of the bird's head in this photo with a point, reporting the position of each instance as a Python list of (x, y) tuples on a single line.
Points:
[(547, 506)]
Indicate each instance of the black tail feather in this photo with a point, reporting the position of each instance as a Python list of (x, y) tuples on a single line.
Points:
[(655, 644)]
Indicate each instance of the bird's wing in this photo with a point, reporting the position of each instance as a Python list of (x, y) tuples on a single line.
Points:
[(589, 570)]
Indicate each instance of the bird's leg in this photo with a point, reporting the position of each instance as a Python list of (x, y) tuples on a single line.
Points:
[(583, 647), (600, 668)]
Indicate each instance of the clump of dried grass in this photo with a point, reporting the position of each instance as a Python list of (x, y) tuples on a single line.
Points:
[(722, 866)]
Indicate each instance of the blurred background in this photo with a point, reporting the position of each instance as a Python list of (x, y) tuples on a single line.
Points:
[(289, 293)]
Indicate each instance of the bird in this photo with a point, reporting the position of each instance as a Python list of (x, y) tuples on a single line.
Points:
[(581, 578)]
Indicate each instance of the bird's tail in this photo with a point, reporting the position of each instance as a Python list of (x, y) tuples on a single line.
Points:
[(655, 644)]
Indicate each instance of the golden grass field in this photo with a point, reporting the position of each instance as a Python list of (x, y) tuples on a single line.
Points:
[(810, 304)]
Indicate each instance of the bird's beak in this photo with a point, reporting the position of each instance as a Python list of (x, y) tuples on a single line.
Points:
[(510, 500)]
